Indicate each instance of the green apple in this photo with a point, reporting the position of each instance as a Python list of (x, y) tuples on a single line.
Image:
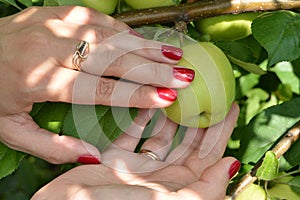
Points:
[(253, 191), (227, 27), (209, 97), (104, 6), (142, 4)]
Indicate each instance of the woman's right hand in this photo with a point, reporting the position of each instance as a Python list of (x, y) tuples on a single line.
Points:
[(36, 50)]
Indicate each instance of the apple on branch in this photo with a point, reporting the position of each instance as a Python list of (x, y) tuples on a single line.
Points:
[(208, 99)]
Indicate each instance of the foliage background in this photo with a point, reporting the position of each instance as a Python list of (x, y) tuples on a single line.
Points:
[(267, 70)]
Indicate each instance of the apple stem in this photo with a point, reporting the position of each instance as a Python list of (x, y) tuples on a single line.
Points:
[(279, 149), (201, 9)]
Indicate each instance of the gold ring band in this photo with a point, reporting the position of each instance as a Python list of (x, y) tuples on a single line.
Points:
[(150, 154), (80, 54)]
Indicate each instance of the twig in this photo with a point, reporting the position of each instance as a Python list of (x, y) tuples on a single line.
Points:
[(202, 9), (280, 148)]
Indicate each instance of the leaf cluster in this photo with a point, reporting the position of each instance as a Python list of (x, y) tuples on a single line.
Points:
[(267, 70)]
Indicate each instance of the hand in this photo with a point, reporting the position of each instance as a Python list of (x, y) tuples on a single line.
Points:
[(192, 170), (36, 49)]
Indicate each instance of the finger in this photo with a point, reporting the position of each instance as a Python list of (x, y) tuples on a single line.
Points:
[(213, 182), (190, 143), (128, 66), (22, 134), (82, 88), (119, 45), (122, 63), (206, 156), (131, 137), (84, 15), (161, 138)]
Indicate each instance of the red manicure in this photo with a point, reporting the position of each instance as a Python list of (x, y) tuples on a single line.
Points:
[(167, 94), (171, 52), (234, 168), (88, 159), (184, 74)]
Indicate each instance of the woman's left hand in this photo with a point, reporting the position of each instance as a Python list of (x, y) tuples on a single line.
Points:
[(193, 170)]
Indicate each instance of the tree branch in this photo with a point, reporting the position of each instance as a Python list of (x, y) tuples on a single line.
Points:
[(202, 9), (279, 149)]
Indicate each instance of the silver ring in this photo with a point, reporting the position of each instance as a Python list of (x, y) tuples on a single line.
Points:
[(149, 154), (80, 54)]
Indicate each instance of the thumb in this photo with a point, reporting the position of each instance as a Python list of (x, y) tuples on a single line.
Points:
[(21, 133), (213, 181)]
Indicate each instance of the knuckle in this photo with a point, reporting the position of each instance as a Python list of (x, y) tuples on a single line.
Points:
[(102, 33), (34, 40), (105, 88), (142, 98), (157, 70), (29, 11)]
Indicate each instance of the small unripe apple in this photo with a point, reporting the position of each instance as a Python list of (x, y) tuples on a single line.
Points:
[(227, 27), (142, 4), (209, 97), (104, 6)]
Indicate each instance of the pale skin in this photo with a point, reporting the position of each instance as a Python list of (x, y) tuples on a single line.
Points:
[(186, 173), (36, 49)]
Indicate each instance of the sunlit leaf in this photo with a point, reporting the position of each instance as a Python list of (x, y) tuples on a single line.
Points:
[(281, 189), (9, 160), (286, 74), (252, 192), (279, 33), (27, 3), (250, 67), (98, 125), (269, 168), (266, 128), (50, 115)]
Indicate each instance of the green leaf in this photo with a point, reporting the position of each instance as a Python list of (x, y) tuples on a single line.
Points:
[(27, 3), (286, 73), (278, 32), (252, 192), (9, 160), (12, 2), (284, 92), (266, 128), (253, 103), (269, 168), (281, 189), (247, 49), (295, 184), (247, 82), (36, 108), (51, 115), (291, 158), (98, 125), (62, 2), (250, 67)]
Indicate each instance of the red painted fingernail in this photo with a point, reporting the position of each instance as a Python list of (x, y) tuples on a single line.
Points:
[(167, 94), (171, 52), (135, 33), (184, 74), (88, 159), (234, 168)]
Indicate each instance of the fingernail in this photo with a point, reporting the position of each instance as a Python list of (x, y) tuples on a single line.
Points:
[(234, 168), (184, 74), (88, 159), (171, 52), (167, 94), (135, 33)]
